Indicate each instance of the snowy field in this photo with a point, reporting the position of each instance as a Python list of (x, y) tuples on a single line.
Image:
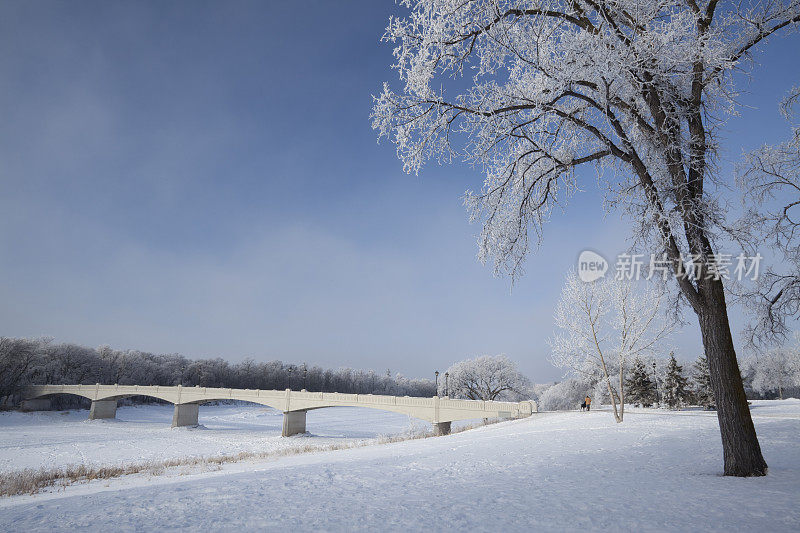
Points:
[(143, 433), (570, 471)]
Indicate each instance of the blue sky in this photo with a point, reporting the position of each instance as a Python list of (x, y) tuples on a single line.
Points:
[(202, 178)]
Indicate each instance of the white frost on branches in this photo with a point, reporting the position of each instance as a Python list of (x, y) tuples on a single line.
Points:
[(603, 326), (487, 377), (565, 395), (776, 370), (770, 179), (531, 90)]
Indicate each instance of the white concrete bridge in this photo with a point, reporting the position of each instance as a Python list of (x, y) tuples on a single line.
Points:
[(294, 404)]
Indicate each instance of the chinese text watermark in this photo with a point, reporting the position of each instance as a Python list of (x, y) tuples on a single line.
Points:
[(592, 266)]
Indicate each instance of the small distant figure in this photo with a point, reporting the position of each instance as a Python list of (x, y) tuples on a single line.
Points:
[(587, 402), (583, 405)]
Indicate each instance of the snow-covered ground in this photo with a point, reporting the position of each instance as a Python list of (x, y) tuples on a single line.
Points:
[(554, 471), (143, 433)]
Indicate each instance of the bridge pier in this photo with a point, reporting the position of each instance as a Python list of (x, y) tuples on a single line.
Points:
[(294, 422), (103, 409), (185, 414), (39, 404), (441, 428)]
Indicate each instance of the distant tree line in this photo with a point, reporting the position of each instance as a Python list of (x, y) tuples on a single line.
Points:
[(25, 361), (772, 375)]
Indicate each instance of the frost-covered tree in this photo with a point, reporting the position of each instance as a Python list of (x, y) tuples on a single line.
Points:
[(530, 91), (770, 178), (674, 391), (776, 370), (565, 395), (701, 379), (487, 377), (537, 389), (18, 358), (640, 388), (604, 325)]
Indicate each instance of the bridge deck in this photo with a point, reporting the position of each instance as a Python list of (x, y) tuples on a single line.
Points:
[(431, 409)]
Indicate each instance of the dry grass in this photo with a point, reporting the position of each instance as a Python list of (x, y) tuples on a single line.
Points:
[(485, 422), (31, 481)]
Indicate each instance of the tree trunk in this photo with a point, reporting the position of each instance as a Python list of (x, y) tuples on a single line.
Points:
[(741, 451), (621, 391), (617, 414)]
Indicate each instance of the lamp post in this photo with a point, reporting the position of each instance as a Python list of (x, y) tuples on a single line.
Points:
[(289, 370), (305, 375), (655, 379), (437, 382), (447, 384)]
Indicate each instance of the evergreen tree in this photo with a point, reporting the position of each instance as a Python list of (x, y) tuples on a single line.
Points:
[(703, 393), (674, 391), (640, 389)]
